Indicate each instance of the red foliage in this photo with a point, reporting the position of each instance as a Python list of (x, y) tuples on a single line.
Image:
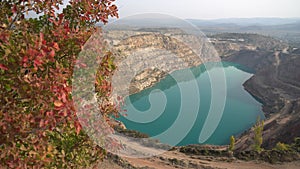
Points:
[(36, 63)]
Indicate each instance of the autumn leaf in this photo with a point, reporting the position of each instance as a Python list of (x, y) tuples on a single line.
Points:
[(37, 62), (25, 59), (78, 127), (58, 103), (50, 148), (14, 9), (55, 46), (3, 67), (42, 123), (52, 53)]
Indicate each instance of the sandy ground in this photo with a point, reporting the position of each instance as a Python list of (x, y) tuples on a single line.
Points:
[(176, 159), (157, 163), (107, 165), (163, 162)]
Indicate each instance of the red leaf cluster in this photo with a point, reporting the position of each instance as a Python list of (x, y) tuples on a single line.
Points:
[(37, 57)]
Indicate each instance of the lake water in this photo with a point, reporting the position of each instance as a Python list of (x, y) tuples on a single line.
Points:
[(182, 109)]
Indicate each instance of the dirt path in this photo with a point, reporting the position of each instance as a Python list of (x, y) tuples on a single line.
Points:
[(278, 116), (276, 79), (174, 159)]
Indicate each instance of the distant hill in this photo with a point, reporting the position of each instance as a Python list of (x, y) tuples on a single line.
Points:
[(246, 21), (158, 20), (287, 29)]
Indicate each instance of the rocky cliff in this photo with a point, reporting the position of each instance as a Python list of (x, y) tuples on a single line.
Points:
[(276, 84), (144, 57)]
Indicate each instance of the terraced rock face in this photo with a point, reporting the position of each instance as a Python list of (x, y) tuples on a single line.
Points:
[(143, 58), (230, 43)]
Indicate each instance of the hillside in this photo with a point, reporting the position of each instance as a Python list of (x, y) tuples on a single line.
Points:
[(276, 85)]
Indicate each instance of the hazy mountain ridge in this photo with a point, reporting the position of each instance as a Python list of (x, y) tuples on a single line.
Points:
[(287, 29), (246, 21)]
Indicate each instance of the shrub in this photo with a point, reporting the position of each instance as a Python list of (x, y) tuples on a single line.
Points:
[(258, 139), (38, 123), (282, 147), (231, 145)]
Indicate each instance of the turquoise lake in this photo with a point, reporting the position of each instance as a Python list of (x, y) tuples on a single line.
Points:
[(175, 109)]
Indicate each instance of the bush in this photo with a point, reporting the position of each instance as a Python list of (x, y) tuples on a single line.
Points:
[(38, 122), (282, 147), (231, 145), (258, 139), (296, 144)]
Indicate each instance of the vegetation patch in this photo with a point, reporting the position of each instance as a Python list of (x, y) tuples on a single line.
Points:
[(280, 153)]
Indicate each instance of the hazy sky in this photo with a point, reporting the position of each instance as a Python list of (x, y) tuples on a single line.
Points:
[(211, 9)]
